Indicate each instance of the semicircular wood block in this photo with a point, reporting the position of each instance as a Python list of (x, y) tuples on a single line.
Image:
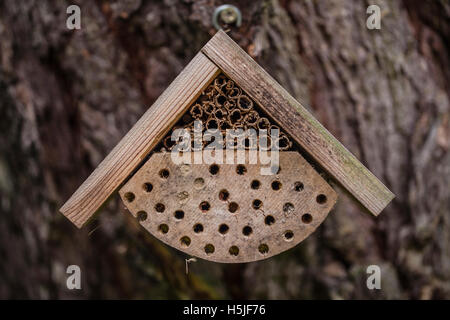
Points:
[(228, 212)]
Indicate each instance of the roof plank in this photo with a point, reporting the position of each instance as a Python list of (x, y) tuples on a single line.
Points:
[(324, 148), (140, 140)]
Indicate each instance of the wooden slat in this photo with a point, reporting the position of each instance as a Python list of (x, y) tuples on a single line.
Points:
[(298, 122), (140, 140)]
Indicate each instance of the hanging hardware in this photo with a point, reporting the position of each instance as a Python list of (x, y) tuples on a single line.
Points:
[(228, 14)]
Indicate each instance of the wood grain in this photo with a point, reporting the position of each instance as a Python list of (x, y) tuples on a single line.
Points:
[(140, 140), (169, 206), (299, 123)]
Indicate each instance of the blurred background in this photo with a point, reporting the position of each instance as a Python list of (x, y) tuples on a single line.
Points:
[(68, 96)]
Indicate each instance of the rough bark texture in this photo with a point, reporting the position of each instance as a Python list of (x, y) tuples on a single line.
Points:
[(67, 97)]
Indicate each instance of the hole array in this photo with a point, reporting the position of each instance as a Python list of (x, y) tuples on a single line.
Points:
[(241, 169), (269, 220), (141, 216), (204, 206), (224, 195), (164, 173), (276, 185), (159, 207), (306, 218), (257, 204), (198, 228), (179, 214), (148, 187), (214, 169), (233, 207), (321, 199), (223, 228), (129, 196), (255, 184)]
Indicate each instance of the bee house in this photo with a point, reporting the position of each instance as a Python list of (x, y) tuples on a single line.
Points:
[(226, 165)]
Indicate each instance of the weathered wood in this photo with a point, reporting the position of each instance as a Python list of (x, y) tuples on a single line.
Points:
[(298, 122), (167, 200), (140, 140)]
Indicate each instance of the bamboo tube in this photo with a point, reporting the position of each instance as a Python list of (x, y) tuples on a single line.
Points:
[(244, 103), (263, 123), (196, 111), (212, 123), (283, 143), (235, 116), (208, 107), (251, 119), (220, 114)]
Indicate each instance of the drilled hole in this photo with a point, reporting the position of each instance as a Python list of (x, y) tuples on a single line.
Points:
[(185, 241), (306, 218), (214, 169), (205, 206), (198, 228), (148, 187), (159, 207), (234, 251), (288, 207), (164, 173), (269, 220), (129, 196), (241, 169), (223, 228), (247, 230), (255, 184), (263, 248), (298, 186), (179, 214), (276, 185), (163, 228), (141, 215), (209, 248), (321, 199), (233, 207), (288, 235), (257, 204), (224, 195), (199, 183)]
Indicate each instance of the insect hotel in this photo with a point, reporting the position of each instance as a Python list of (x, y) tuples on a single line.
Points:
[(251, 196)]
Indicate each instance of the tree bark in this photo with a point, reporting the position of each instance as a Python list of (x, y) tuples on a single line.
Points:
[(68, 96)]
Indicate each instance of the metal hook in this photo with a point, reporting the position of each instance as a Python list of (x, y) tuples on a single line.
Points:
[(229, 14)]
